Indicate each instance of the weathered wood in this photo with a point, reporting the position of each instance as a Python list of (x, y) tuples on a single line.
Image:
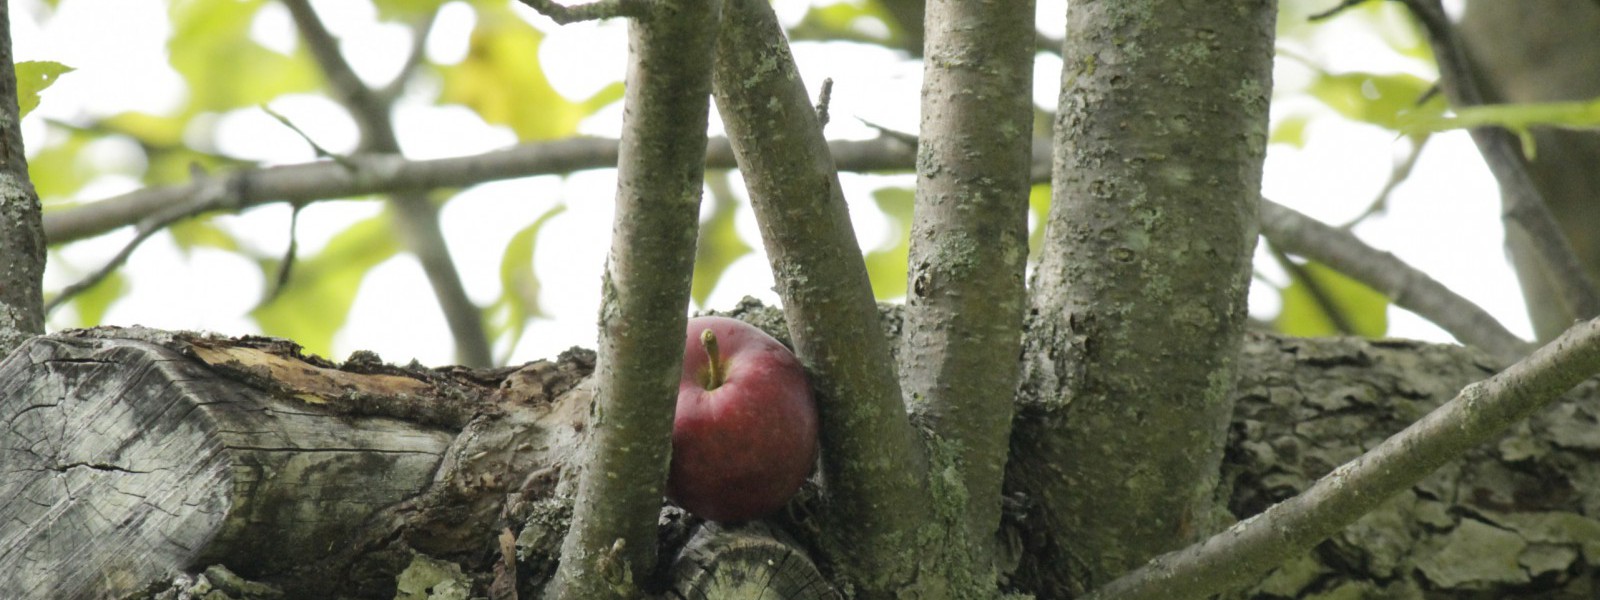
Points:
[(141, 460), (132, 455), (745, 562)]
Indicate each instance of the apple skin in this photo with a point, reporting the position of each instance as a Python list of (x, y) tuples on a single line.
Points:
[(741, 450)]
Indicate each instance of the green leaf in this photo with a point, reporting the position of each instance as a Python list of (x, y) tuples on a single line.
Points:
[(211, 48), (838, 21), (1362, 309), (886, 267), (1039, 205), (201, 232), (1517, 118), (316, 301), (519, 283), (400, 10), (501, 79), (59, 170), (33, 76), (1388, 101), (719, 243), (1291, 130), (92, 304)]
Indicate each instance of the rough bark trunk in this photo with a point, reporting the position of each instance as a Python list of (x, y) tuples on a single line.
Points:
[(137, 461)]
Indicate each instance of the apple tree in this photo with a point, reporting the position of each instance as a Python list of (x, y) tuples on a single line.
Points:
[(1102, 422)]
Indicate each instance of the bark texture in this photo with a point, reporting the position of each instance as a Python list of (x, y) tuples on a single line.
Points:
[(21, 234), (871, 458), (610, 550), (1516, 519), (969, 247), (1139, 299)]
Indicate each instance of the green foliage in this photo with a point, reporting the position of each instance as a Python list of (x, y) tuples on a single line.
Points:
[(501, 79), (1290, 130), (406, 10), (92, 304), (519, 283), (886, 267), (211, 48), (1318, 299), (316, 301), (1518, 118), (719, 243), (840, 21), (202, 232), (33, 77), (1386, 100), (59, 170)]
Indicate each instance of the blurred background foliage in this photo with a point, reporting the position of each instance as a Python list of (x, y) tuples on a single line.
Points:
[(501, 81)]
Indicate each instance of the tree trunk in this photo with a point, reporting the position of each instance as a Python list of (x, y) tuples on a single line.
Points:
[(136, 459)]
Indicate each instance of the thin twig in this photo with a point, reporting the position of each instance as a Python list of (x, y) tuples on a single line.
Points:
[(146, 229), (1343, 6), (1397, 175), (321, 152), (1237, 557), (593, 11)]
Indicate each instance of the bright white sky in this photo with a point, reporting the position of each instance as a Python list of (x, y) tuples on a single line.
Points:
[(1444, 220)]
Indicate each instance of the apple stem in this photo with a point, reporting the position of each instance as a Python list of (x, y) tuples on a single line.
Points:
[(714, 374)]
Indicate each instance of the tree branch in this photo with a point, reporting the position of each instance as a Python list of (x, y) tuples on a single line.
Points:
[(593, 11), (1140, 292), (386, 173), (1407, 287), (22, 239), (1526, 215), (610, 550), (417, 218), (969, 247), (1237, 557), (876, 472)]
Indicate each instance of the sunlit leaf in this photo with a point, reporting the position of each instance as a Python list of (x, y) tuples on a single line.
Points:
[(1518, 118), (201, 232), (1305, 313), (1290, 130), (393, 10), (92, 304), (1385, 100), (887, 267), (152, 130), (59, 170), (33, 76), (519, 283), (1039, 207), (719, 244), (212, 49), (843, 21), (316, 301), (501, 79)]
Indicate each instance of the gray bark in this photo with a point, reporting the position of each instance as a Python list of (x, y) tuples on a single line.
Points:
[(611, 548), (870, 455), (1139, 297), (969, 248), (463, 454), (21, 234)]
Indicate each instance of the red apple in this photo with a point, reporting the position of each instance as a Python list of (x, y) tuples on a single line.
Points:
[(745, 433)]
